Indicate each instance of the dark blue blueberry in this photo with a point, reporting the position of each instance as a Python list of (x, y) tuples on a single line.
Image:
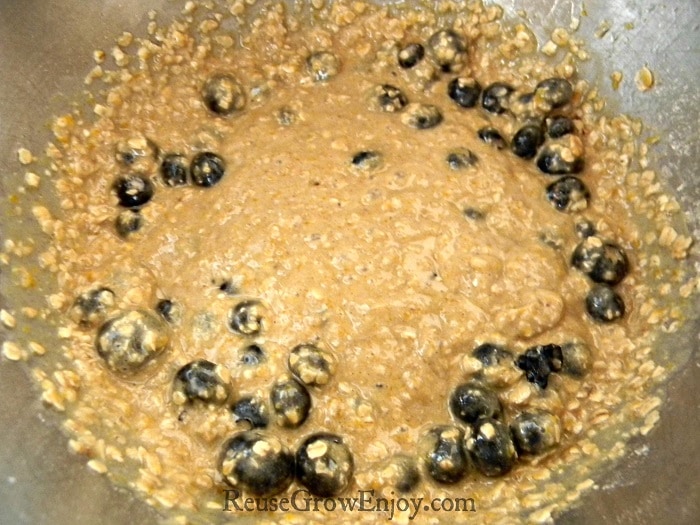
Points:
[(604, 304), (556, 92), (173, 170), (471, 401), (169, 310), (128, 222), (576, 359), (442, 451), (535, 432), (311, 365), (492, 137), (291, 402), (201, 380), (390, 98), (448, 50), (494, 98), (491, 448), (252, 355), (422, 116), (256, 463), (539, 361), (207, 169), (461, 159), (324, 464), (603, 262), (410, 55), (133, 191), (584, 229), (559, 159), (491, 355), (464, 91), (223, 95), (251, 409), (568, 194), (559, 126), (246, 318), (91, 308), (527, 141)]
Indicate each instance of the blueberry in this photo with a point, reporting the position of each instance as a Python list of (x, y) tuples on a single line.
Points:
[(389, 99), (441, 450), (491, 448), (128, 341), (448, 49), (464, 91), (257, 463), (128, 222), (527, 141), (495, 97), (584, 228), (246, 318), (223, 95), (367, 160), (291, 402), (311, 365), (604, 305), (559, 126), (461, 158), (491, 355), (133, 191), (562, 156), (602, 261), (535, 432), (207, 169), (324, 464), (410, 55), (401, 472), (173, 170), (90, 308), (322, 66), (252, 355), (471, 401), (539, 361), (138, 154), (492, 137), (568, 194), (576, 359), (169, 311), (421, 116), (555, 92), (251, 409), (201, 380)]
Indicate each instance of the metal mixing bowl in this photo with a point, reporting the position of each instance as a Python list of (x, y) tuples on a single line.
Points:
[(45, 52)]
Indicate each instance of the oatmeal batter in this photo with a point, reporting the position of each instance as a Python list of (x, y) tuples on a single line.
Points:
[(389, 252)]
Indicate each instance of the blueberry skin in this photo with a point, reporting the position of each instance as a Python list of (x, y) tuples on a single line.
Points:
[(559, 126), (603, 262), (442, 452), (253, 410), (390, 99), (410, 55), (200, 381), (491, 447), (133, 191), (535, 432), (366, 160), (461, 159), (448, 50), (539, 361), (604, 304), (492, 137), (494, 98), (490, 354), (252, 355), (207, 169), (328, 473), (527, 141), (169, 310), (173, 170), (556, 92), (91, 308), (422, 116), (568, 194), (465, 92), (291, 402), (472, 401), (223, 95), (553, 161)]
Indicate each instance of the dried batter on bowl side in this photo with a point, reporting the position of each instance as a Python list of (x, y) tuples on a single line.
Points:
[(390, 254)]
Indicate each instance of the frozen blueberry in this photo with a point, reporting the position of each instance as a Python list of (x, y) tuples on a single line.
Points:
[(584, 228), (604, 304), (492, 137), (461, 158), (324, 464), (169, 311), (401, 472), (291, 402), (389, 99), (207, 169), (535, 432), (90, 308), (410, 55), (495, 97), (539, 361), (247, 318), (201, 380), (471, 401), (131, 339), (448, 50), (257, 463), (311, 365), (464, 91), (251, 409), (527, 141), (576, 359), (559, 126), (602, 261), (490, 447), (223, 95), (252, 355), (441, 450), (323, 66), (555, 92), (568, 194), (561, 156), (491, 355), (421, 116), (173, 170), (133, 191), (367, 160), (128, 221)]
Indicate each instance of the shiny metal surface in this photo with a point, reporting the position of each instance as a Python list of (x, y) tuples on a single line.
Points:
[(45, 52)]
